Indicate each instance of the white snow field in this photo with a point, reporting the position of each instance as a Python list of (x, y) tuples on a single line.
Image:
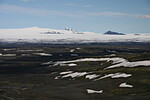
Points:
[(45, 35)]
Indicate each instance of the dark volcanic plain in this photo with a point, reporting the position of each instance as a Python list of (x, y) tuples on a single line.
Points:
[(24, 77)]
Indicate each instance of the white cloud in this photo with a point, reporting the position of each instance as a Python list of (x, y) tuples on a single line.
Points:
[(110, 14), (144, 16), (117, 14), (34, 11)]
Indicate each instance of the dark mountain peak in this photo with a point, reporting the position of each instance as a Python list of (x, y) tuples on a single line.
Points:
[(113, 33)]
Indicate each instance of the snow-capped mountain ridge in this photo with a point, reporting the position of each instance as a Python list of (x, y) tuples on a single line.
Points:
[(45, 35)]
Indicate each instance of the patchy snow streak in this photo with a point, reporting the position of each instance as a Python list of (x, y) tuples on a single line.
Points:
[(93, 91), (43, 54), (125, 85), (78, 48), (9, 49), (91, 76), (7, 55), (126, 63), (28, 50), (115, 60), (116, 75), (72, 50), (72, 64), (75, 74), (57, 77), (111, 55), (68, 72)]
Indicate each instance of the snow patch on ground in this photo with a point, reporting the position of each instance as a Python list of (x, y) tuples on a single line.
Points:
[(28, 50), (125, 85), (7, 55), (116, 75), (91, 76), (68, 72), (72, 64), (75, 74), (115, 60), (43, 54), (57, 77), (126, 63), (78, 48), (9, 49), (111, 51), (93, 91), (72, 50)]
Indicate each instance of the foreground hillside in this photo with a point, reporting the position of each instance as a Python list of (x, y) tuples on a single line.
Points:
[(67, 36), (71, 72)]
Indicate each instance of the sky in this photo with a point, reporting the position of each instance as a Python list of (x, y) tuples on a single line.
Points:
[(126, 16)]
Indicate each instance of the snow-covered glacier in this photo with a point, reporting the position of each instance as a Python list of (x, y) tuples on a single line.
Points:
[(45, 35)]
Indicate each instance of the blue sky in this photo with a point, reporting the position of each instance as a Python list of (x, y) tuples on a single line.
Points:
[(127, 16)]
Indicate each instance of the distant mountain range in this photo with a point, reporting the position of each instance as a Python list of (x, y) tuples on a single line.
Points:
[(66, 36)]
